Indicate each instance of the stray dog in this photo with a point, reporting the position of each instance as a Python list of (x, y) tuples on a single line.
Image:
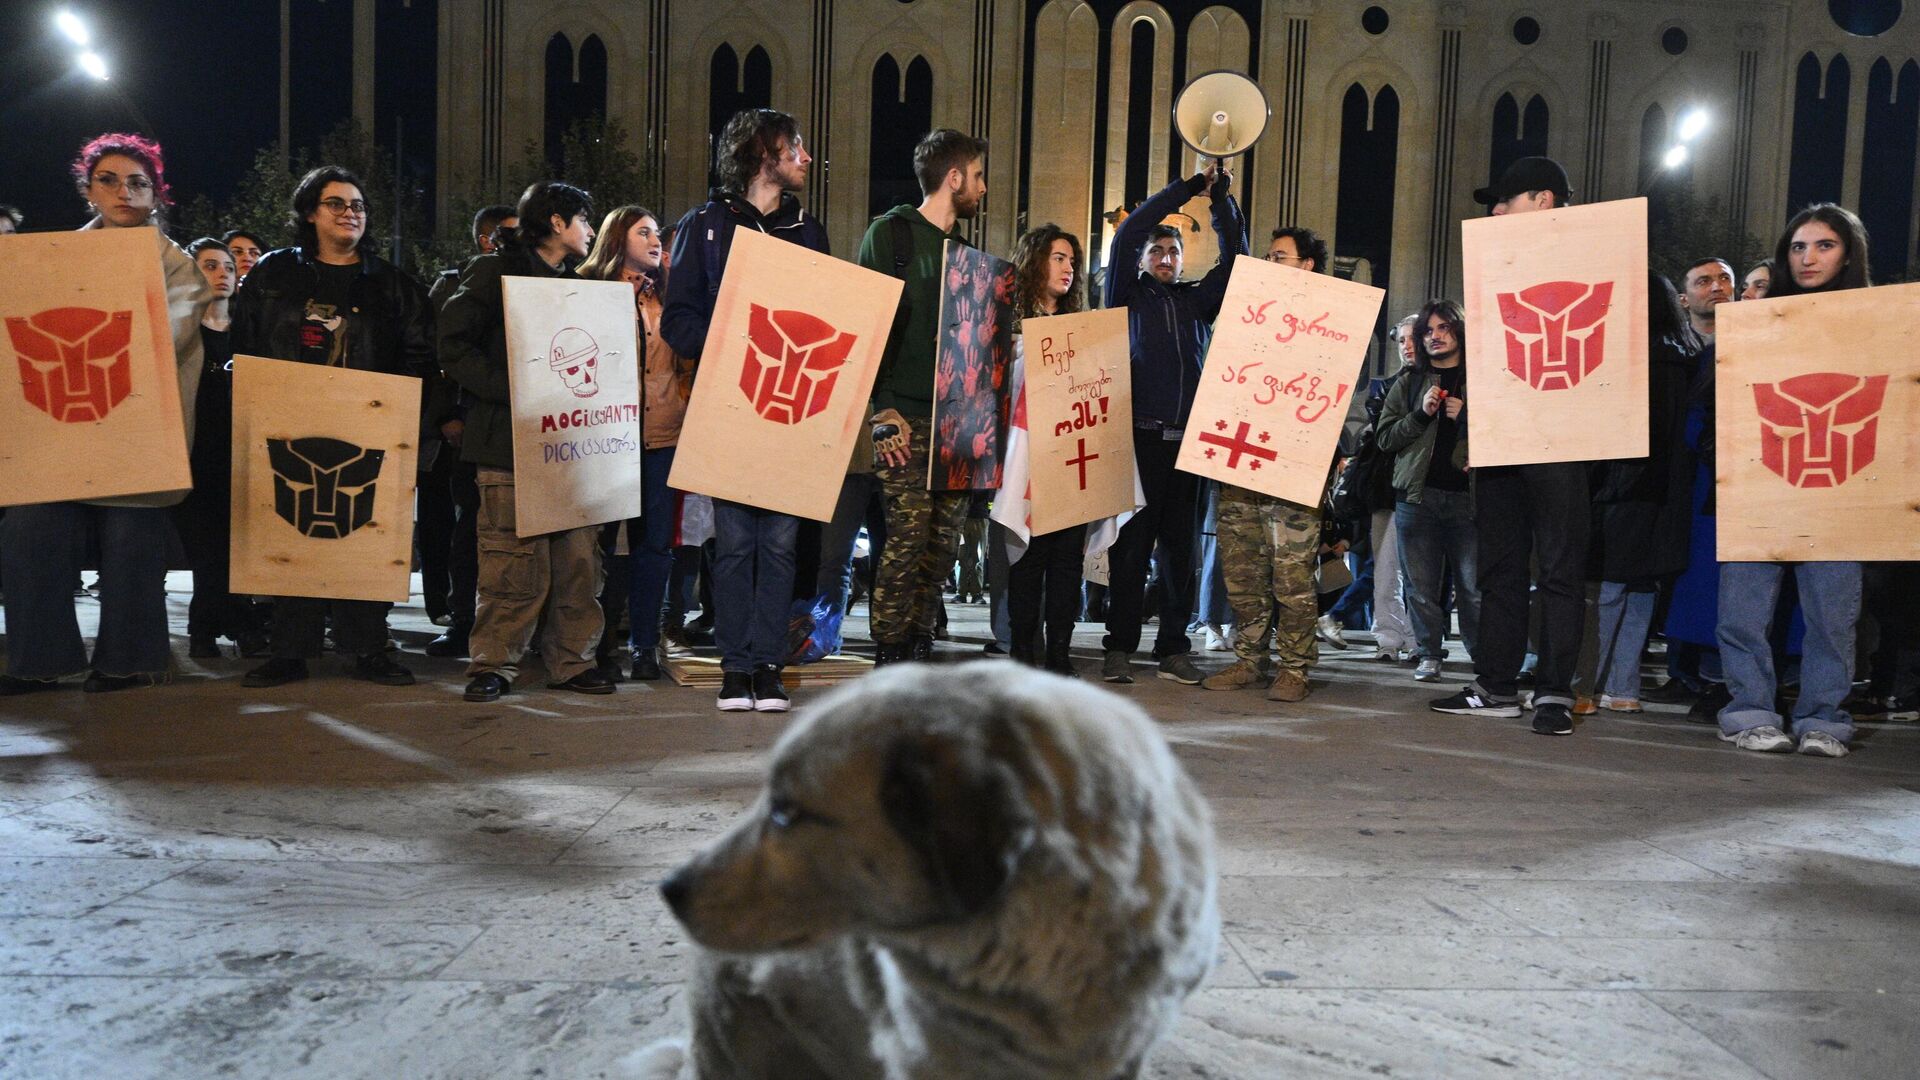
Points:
[(971, 872)]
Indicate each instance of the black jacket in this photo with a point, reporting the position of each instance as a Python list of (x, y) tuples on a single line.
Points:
[(473, 350), (391, 328), (1643, 507), (701, 243), (1169, 325)]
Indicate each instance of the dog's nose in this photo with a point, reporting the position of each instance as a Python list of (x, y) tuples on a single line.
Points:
[(675, 889)]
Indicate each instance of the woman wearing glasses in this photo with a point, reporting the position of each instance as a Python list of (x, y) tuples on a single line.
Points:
[(123, 180), (330, 300)]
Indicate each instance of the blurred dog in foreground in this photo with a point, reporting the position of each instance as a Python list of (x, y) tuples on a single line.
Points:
[(975, 871)]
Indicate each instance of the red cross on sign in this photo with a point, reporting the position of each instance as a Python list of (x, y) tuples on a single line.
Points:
[(1237, 445), (1081, 461)]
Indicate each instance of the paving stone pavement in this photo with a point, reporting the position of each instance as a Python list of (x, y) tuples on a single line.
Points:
[(332, 879)]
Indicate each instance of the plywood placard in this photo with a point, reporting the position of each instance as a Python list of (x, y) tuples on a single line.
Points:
[(1289, 349), (1556, 306), (1817, 427), (1079, 414), (972, 360), (90, 405), (785, 377), (573, 370), (323, 474)]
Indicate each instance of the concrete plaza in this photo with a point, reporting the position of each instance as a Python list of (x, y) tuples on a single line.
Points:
[(334, 879)]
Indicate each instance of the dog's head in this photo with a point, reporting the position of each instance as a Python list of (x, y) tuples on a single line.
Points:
[(894, 804)]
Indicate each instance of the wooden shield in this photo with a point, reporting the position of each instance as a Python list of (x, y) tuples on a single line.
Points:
[(1817, 437), (1556, 306), (785, 377), (573, 368), (973, 356), (323, 474), (1079, 385), (1288, 355), (90, 405)]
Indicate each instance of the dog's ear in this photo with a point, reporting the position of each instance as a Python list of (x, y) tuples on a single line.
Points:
[(962, 811)]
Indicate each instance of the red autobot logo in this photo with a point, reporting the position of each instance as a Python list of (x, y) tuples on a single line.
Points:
[(1816, 430), (75, 362), (793, 359), (1556, 331)]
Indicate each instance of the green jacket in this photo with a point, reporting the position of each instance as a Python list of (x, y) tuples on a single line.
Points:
[(905, 381), (473, 351), (1407, 432)]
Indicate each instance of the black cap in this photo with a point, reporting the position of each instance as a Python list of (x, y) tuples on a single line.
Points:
[(1524, 175)]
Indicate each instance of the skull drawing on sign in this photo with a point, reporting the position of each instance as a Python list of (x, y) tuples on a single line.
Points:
[(75, 363), (323, 487), (792, 361), (1816, 430), (1556, 332), (573, 356)]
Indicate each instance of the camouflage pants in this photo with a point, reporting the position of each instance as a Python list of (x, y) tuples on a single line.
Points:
[(923, 533), (1267, 552)]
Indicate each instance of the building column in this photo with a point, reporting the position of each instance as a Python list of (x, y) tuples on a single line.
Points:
[(1857, 71), (363, 45), (1446, 123)]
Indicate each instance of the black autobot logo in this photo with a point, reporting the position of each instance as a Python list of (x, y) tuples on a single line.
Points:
[(323, 487)]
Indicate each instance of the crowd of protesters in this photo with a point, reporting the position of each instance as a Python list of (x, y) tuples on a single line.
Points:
[(1555, 578)]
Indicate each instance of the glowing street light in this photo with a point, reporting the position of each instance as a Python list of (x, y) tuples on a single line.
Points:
[(1676, 157), (70, 25), (93, 64), (1693, 125)]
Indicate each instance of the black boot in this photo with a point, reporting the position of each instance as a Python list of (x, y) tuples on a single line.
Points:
[(920, 649), (884, 654)]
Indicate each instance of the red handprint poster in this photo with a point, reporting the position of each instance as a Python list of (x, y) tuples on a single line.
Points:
[(785, 379), (973, 356), (90, 405), (1556, 306), (1287, 356), (1817, 427)]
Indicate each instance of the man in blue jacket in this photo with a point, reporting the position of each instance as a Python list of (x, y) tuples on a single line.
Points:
[(761, 164), (1169, 324)]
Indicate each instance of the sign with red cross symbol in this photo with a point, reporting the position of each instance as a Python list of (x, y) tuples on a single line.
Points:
[(1078, 415)]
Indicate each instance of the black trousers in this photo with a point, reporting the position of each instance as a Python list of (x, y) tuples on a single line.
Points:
[(1169, 518), (1526, 516), (204, 521), (1046, 578), (300, 622), (434, 517), (463, 545)]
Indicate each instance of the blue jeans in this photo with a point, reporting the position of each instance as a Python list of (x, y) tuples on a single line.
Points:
[(1830, 603), (1213, 610), (650, 550), (752, 584), (1433, 533), (1624, 620), (41, 548), (999, 574)]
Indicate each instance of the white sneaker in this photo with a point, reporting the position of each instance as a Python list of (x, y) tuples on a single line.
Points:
[(1217, 641), (1821, 744), (1765, 739), (1327, 630), (1429, 669)]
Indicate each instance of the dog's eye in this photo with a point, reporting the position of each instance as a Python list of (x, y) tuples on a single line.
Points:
[(783, 814)]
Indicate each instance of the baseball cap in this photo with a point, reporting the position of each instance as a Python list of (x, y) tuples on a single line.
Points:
[(1526, 174)]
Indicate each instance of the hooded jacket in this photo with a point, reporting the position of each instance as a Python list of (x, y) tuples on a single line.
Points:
[(1169, 326), (905, 381), (701, 244)]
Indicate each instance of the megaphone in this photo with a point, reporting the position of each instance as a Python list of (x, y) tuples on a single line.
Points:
[(1220, 114)]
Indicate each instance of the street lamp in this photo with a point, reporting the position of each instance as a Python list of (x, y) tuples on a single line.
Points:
[(70, 25), (1675, 157), (1693, 125), (93, 64)]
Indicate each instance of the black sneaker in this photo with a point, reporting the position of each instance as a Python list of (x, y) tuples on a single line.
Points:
[(590, 681), (646, 666), (381, 668), (98, 683), (1671, 692), (203, 647), (768, 694), (1887, 707), (451, 644), (13, 685), (610, 667), (278, 671), (487, 686), (1706, 708), (1552, 719), (1471, 702), (736, 692)]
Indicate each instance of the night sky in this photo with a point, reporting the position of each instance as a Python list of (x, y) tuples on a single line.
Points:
[(201, 77)]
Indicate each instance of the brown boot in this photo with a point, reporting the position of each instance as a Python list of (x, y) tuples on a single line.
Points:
[(1240, 673), (1288, 686)]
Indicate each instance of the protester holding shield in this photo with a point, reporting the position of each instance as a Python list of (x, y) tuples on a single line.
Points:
[(331, 300), (1171, 322), (762, 163), (555, 574), (123, 179), (1824, 249)]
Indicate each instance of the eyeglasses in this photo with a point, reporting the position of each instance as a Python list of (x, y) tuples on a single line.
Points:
[(339, 207), (112, 182)]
